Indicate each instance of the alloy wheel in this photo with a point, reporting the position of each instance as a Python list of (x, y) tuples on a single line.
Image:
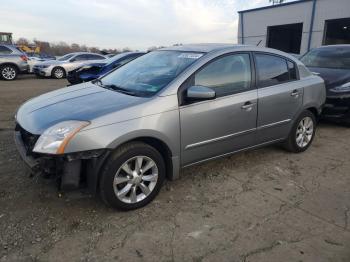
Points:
[(9, 73), (135, 179), (305, 131), (58, 73)]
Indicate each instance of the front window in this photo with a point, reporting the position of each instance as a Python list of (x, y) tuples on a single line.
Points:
[(338, 58), (65, 57), (150, 73), (227, 75)]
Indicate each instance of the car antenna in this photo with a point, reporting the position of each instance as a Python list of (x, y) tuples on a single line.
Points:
[(259, 43)]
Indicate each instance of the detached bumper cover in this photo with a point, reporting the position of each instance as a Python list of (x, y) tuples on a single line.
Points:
[(73, 77), (29, 160), (41, 71)]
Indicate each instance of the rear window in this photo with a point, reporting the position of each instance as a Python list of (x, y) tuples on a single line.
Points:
[(338, 58), (5, 50), (273, 70)]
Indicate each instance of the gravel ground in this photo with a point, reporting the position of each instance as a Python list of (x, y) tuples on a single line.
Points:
[(264, 205)]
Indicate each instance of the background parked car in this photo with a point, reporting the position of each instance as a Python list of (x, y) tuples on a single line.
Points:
[(92, 71), (12, 62), (34, 59), (60, 67), (332, 63)]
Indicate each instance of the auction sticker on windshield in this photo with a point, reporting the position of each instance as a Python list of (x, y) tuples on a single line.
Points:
[(190, 55)]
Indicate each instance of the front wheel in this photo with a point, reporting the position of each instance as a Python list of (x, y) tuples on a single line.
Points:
[(132, 176), (58, 73), (8, 72), (302, 133)]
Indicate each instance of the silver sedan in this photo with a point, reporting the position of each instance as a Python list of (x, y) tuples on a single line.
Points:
[(59, 68), (126, 132)]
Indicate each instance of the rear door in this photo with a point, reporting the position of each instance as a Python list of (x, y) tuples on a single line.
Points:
[(280, 97), (226, 124), (76, 62)]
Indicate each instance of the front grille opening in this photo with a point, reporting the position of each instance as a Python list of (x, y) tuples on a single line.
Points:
[(28, 139)]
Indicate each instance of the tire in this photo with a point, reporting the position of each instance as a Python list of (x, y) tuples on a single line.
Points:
[(122, 186), (302, 133), (58, 73), (8, 72)]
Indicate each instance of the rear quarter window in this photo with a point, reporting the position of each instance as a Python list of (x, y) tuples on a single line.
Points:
[(5, 50)]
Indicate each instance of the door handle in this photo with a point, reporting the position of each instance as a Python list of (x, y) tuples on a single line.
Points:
[(295, 93), (247, 106)]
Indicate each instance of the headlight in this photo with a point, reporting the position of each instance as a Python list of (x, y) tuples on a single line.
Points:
[(44, 66), (55, 138), (343, 88)]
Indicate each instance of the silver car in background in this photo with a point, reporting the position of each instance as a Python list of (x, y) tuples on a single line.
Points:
[(60, 67), (123, 134), (12, 62)]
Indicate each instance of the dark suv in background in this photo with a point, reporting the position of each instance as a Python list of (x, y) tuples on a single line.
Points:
[(332, 63), (12, 62)]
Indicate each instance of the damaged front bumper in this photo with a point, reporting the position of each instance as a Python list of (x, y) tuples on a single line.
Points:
[(72, 171)]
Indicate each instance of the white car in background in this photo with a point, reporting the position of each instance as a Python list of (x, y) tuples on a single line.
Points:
[(59, 68), (32, 61)]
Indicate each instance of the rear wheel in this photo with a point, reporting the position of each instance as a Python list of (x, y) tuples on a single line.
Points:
[(302, 133), (132, 176), (8, 72), (58, 73)]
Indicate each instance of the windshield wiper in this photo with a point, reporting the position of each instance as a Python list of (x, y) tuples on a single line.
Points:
[(98, 82), (120, 89)]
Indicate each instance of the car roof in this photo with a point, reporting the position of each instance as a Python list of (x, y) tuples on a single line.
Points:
[(211, 48), (83, 53), (333, 46)]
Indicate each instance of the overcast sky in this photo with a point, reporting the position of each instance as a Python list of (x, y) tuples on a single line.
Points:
[(137, 24)]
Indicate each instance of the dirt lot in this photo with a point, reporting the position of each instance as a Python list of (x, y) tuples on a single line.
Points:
[(265, 205)]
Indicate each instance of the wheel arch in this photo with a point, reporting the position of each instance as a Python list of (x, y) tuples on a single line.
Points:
[(314, 111), (161, 146), (11, 64)]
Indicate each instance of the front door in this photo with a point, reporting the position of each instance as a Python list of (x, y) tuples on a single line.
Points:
[(228, 122)]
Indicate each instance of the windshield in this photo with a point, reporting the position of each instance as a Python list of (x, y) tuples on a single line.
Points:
[(65, 57), (338, 58), (150, 73)]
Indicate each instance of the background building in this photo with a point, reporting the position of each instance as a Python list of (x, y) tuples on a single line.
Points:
[(296, 27)]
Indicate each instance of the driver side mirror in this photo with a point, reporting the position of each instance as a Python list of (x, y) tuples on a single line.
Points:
[(200, 93)]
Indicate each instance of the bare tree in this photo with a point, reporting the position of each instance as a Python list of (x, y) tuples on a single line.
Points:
[(62, 48), (22, 41)]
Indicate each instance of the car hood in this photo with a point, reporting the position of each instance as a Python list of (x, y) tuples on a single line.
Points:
[(80, 102), (332, 77)]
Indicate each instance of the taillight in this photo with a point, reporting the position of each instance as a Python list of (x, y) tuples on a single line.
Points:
[(24, 58)]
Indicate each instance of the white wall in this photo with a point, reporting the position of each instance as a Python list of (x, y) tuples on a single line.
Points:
[(325, 10), (256, 22)]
